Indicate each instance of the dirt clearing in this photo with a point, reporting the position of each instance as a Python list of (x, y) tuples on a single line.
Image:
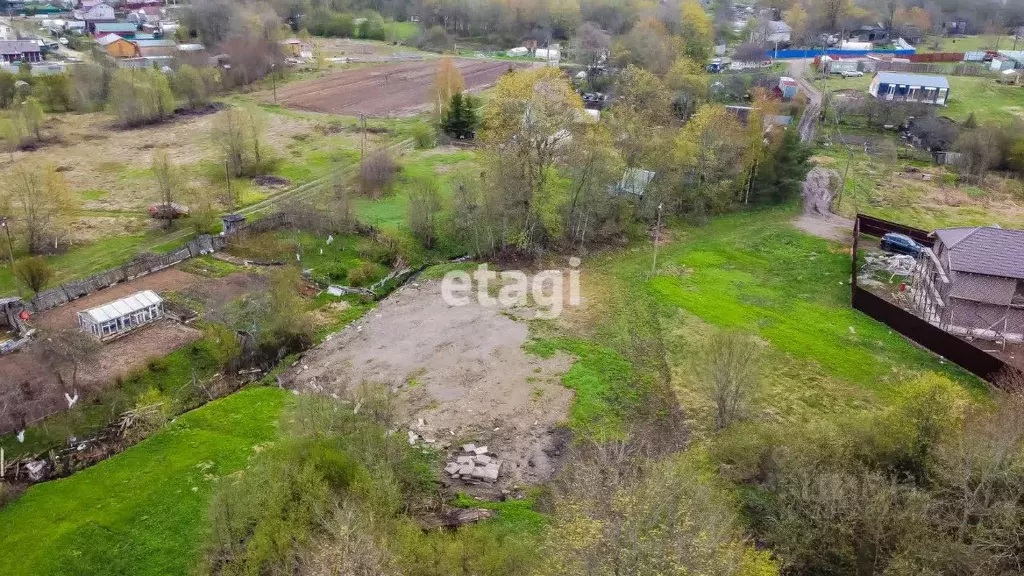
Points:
[(817, 218), (384, 90), (461, 370)]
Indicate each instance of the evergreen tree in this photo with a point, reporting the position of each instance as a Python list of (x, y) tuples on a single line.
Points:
[(460, 119), (780, 177)]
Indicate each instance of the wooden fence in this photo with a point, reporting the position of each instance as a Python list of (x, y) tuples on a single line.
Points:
[(954, 349)]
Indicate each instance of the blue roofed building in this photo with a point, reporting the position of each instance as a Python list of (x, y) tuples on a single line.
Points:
[(905, 87)]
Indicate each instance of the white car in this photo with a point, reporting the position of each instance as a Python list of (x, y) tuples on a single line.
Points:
[(852, 73)]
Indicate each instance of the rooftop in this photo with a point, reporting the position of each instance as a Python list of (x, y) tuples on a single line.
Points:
[(913, 79), (123, 307), (18, 46), (116, 27), (985, 250)]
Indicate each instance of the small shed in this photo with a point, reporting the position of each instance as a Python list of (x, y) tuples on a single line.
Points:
[(232, 223), (903, 87), (788, 87), (157, 47), (122, 316)]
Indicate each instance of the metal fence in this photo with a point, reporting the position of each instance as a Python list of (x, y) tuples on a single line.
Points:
[(60, 295), (954, 349)]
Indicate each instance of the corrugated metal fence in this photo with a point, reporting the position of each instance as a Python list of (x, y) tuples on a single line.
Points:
[(954, 349)]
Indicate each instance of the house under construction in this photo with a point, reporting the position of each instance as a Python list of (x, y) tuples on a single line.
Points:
[(971, 283)]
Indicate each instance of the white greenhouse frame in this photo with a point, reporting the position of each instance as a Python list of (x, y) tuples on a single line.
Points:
[(122, 316)]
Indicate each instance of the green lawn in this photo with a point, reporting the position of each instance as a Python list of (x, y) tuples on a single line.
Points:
[(755, 273), (142, 511), (988, 100)]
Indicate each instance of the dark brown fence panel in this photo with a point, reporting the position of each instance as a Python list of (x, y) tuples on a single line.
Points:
[(954, 349), (937, 57), (878, 227), (960, 352)]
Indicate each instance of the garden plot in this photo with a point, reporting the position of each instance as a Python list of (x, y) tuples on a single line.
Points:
[(390, 89), (461, 375)]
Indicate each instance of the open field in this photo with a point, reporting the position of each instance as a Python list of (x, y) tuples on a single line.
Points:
[(144, 510), (987, 99), (968, 43), (389, 89)]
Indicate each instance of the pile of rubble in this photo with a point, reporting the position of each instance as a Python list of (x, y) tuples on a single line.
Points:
[(474, 463)]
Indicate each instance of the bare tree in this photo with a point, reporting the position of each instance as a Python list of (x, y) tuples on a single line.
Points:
[(732, 367), (67, 351), (168, 183), (41, 201)]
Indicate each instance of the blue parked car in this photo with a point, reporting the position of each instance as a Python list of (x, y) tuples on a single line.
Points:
[(900, 244)]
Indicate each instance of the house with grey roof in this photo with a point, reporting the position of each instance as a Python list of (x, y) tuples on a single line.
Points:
[(20, 50), (906, 87), (971, 282)]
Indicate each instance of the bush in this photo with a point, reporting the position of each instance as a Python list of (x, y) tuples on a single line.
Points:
[(364, 274), (332, 273), (424, 135), (34, 273), (377, 173)]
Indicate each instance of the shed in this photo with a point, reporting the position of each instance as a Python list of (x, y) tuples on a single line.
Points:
[(634, 181), (788, 86), (122, 316), (232, 222), (904, 87)]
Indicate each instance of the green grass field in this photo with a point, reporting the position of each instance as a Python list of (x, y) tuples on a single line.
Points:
[(968, 43), (755, 273), (988, 100), (144, 510)]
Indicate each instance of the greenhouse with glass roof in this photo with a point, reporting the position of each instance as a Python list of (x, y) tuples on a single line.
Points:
[(121, 316)]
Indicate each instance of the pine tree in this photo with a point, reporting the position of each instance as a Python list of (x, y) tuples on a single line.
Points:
[(780, 177), (460, 119)]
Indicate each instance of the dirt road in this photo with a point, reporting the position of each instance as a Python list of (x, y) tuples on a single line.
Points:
[(808, 122), (462, 370)]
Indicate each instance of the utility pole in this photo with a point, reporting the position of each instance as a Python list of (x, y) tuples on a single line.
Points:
[(227, 178), (842, 183), (10, 244), (273, 79), (657, 237)]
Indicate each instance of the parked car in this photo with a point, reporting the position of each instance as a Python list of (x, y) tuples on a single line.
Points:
[(852, 73), (900, 244)]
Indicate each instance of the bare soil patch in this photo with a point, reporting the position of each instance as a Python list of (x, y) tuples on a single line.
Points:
[(817, 218), (170, 280), (28, 388), (460, 370), (388, 89)]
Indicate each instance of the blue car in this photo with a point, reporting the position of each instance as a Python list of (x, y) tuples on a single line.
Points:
[(900, 244)]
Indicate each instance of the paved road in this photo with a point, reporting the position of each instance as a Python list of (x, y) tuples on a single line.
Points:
[(809, 120)]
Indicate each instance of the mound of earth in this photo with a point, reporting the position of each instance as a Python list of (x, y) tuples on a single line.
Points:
[(461, 376)]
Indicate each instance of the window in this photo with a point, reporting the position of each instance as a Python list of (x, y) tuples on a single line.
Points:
[(1018, 295)]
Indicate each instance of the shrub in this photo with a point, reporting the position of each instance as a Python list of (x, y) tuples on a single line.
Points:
[(34, 273), (377, 173), (364, 274), (424, 135), (332, 273)]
